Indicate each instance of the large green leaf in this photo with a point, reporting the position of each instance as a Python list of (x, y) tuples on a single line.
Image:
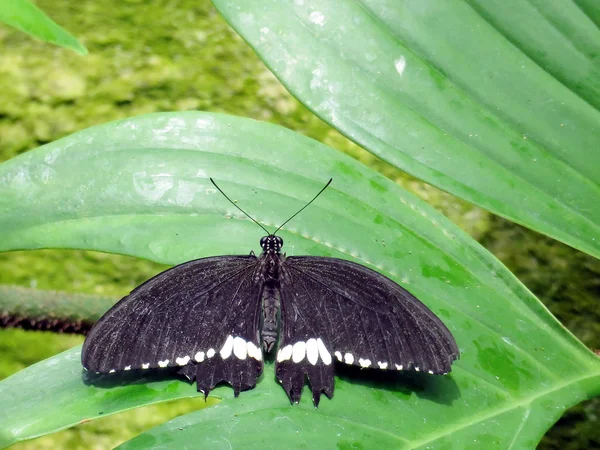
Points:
[(140, 187), (54, 394), (25, 16), (494, 102)]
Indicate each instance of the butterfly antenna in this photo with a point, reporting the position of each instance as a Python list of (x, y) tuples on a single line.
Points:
[(233, 203), (305, 206)]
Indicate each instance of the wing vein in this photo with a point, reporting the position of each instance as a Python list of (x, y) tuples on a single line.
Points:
[(325, 308), (362, 322), (387, 349), (329, 289)]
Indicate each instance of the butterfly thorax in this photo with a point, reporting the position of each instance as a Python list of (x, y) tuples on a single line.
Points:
[(271, 260), (271, 257)]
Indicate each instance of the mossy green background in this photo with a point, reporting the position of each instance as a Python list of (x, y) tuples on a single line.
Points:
[(167, 55)]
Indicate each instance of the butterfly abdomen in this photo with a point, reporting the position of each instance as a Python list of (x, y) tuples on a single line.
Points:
[(270, 323), (269, 272)]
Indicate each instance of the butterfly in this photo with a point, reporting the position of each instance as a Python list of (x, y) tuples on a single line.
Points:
[(215, 319)]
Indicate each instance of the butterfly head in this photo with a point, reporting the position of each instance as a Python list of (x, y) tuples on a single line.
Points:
[(271, 244)]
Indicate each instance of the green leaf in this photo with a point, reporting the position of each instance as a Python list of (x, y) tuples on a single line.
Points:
[(364, 414), (494, 102), (55, 394), (27, 17), (140, 187)]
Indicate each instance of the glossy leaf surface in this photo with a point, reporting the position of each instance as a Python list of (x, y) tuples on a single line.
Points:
[(55, 394), (494, 102)]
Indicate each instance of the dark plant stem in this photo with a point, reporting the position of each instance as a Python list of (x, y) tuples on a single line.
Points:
[(62, 312)]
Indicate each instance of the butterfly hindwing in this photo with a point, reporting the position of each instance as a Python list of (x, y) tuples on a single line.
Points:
[(356, 316), (202, 316), (303, 346)]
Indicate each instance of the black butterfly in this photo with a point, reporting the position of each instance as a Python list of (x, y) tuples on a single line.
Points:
[(214, 317)]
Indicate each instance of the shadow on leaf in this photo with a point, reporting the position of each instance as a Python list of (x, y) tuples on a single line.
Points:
[(441, 389)]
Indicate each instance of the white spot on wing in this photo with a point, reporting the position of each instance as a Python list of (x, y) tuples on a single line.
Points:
[(254, 351), (210, 353), (285, 353), (239, 348), (227, 347), (163, 363), (182, 361), (312, 351), (382, 365), (323, 353), (364, 362), (348, 358), (299, 351), (338, 355), (199, 357)]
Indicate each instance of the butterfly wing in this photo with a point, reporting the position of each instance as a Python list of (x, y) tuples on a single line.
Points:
[(202, 316), (331, 308)]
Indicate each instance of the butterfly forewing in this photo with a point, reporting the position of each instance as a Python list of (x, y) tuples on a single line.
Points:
[(356, 316), (202, 316)]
